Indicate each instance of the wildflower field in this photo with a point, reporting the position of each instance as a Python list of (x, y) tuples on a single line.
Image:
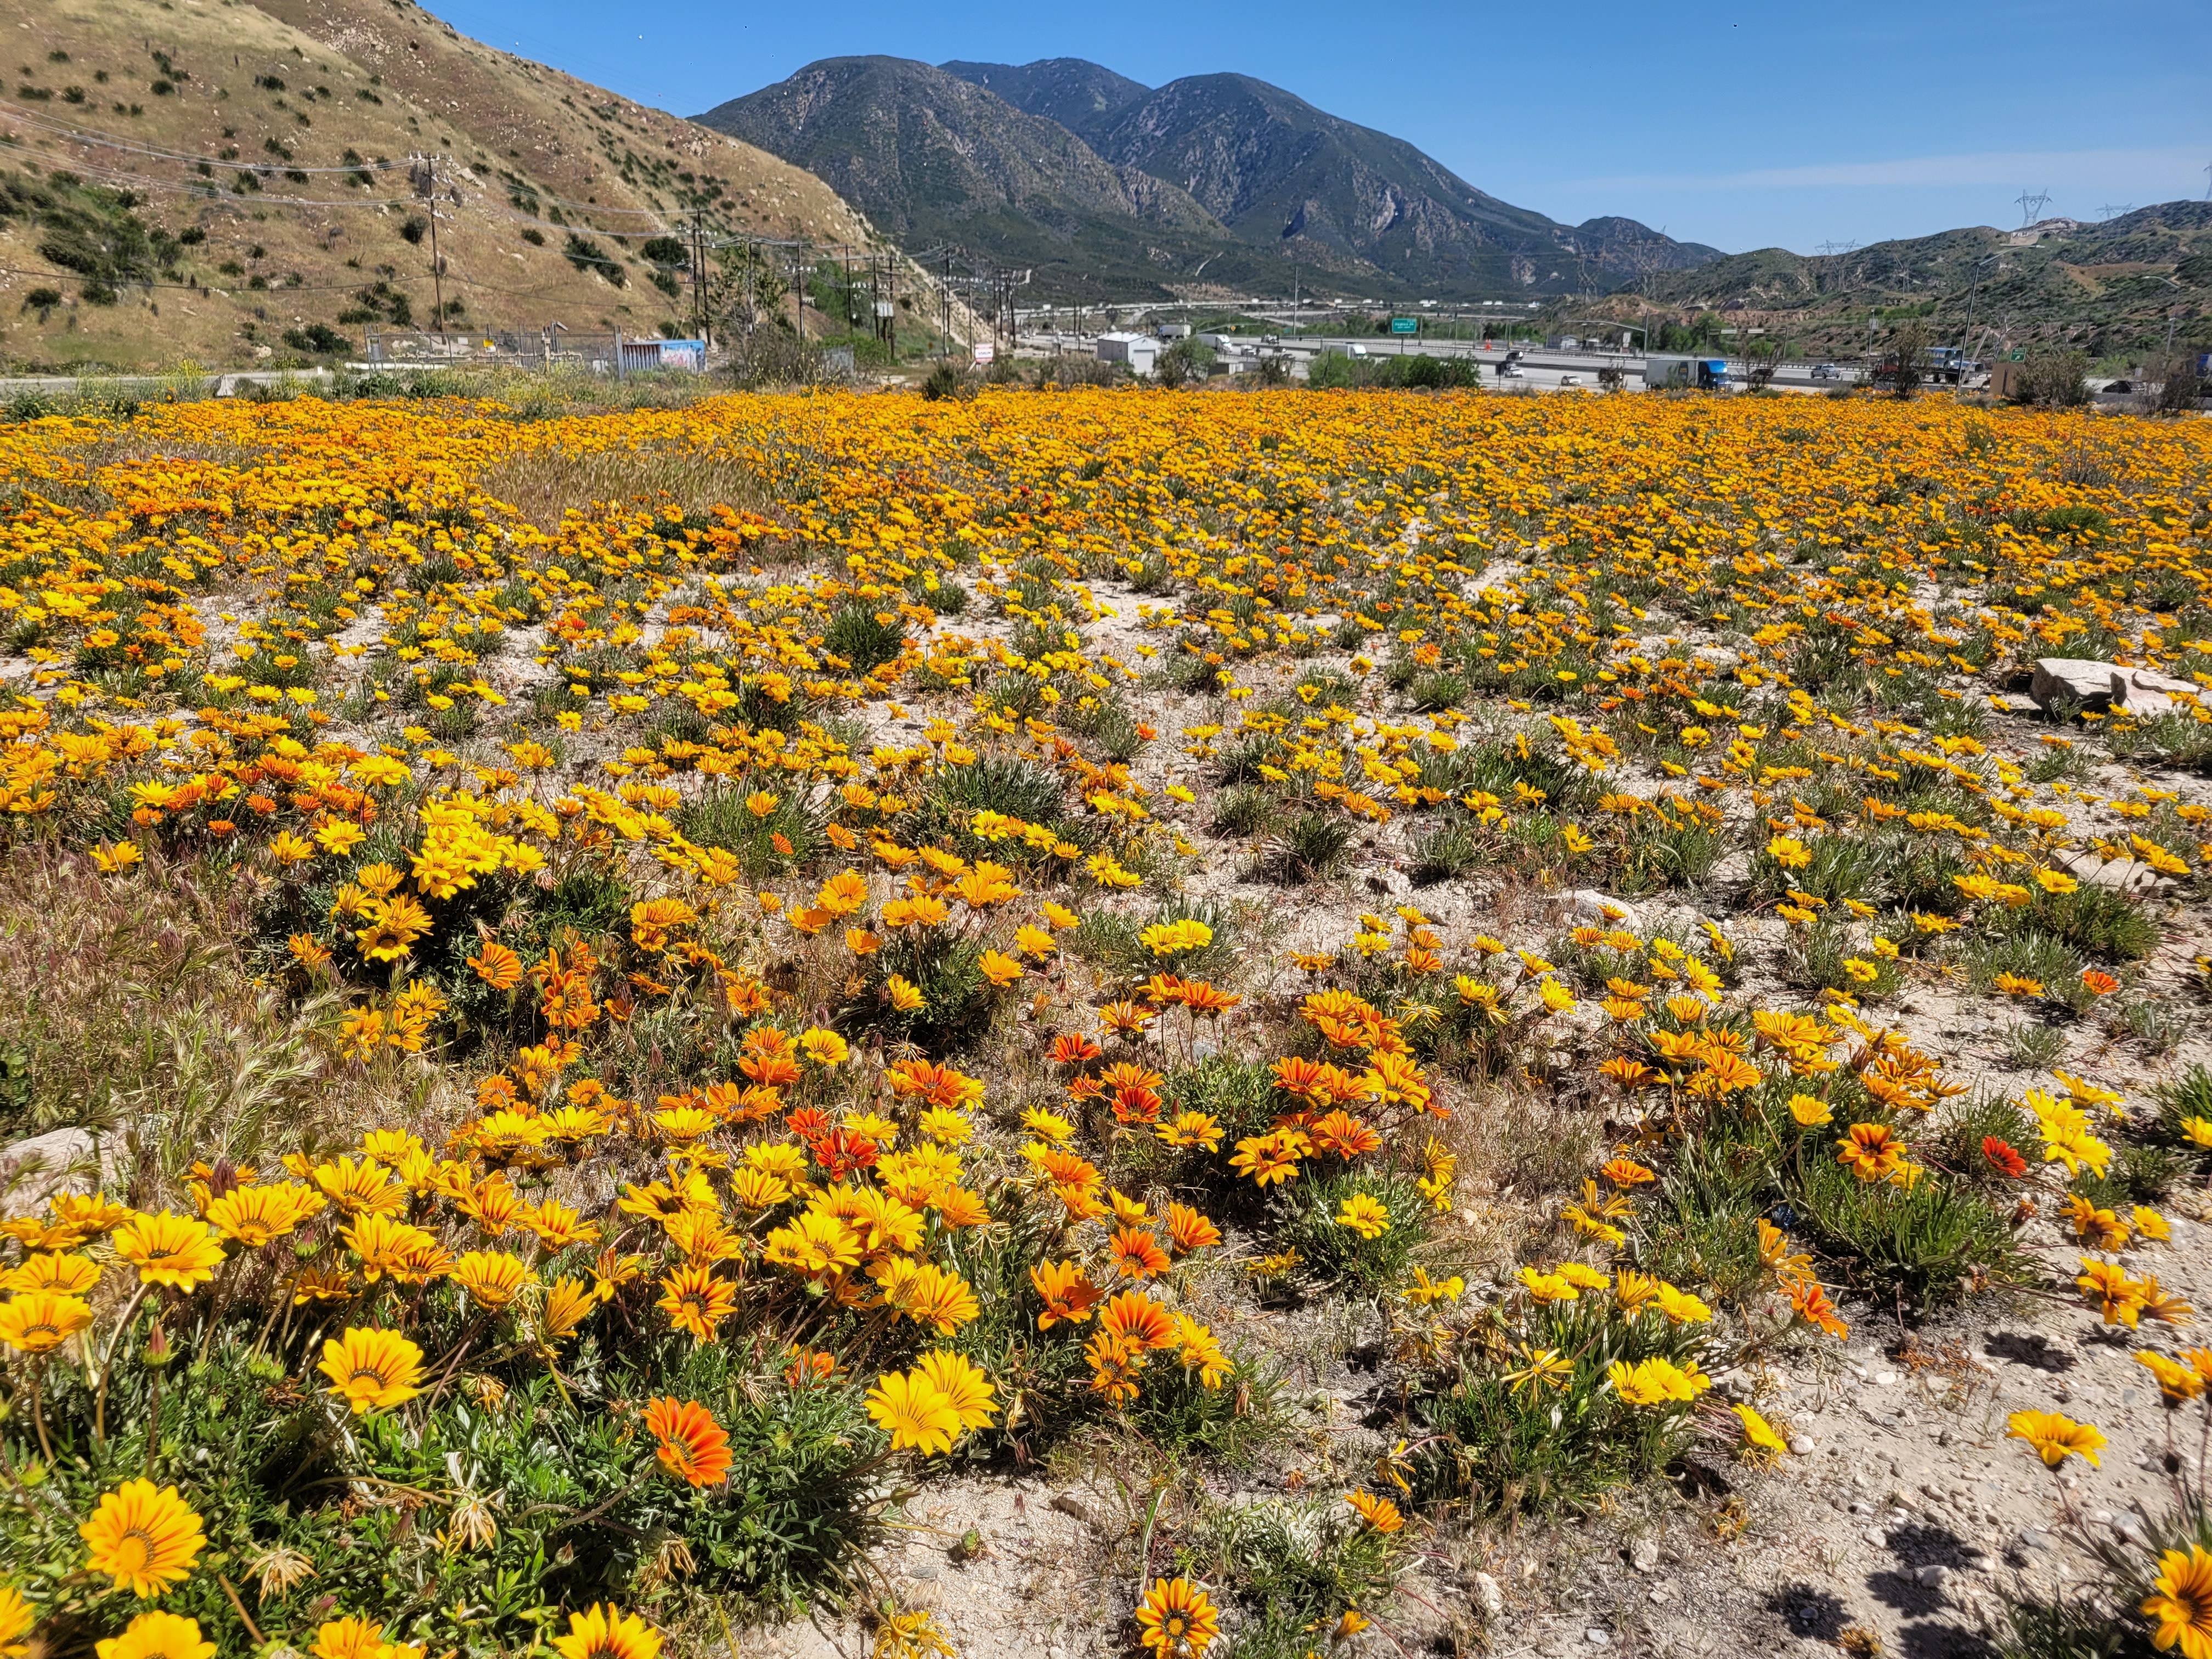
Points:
[(616, 1011)]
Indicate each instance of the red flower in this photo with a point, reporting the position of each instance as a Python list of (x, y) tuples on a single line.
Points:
[(2002, 1158)]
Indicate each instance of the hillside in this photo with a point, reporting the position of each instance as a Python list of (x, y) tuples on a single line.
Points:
[(1271, 166), (1345, 201), (1082, 96), (938, 161), (237, 171), (2108, 287)]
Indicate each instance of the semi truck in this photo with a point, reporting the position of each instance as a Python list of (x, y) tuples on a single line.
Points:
[(1685, 374)]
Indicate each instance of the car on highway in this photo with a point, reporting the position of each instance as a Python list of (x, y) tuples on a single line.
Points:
[(1509, 370), (1826, 371), (1570, 379)]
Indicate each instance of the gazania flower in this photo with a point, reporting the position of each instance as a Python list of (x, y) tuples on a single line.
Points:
[(1177, 1619), (1136, 1318), (38, 1321), (697, 1302), (157, 1635), (174, 1251), (357, 1639), (605, 1632), (16, 1618), (1188, 1231), (963, 1384), (1759, 1439), (693, 1448), (2180, 1602), (491, 1278), (917, 1414), (1379, 1513), (144, 1539), (2054, 1437), (253, 1216), (1068, 1295), (1137, 1254), (372, 1369), (1364, 1214)]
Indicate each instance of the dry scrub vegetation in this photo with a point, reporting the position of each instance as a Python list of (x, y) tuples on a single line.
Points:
[(644, 1001)]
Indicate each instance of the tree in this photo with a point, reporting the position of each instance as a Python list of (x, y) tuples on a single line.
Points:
[(1903, 366), (1761, 358), (2179, 383), (2055, 378)]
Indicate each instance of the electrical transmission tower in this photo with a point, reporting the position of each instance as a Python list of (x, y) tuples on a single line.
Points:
[(2110, 211), (2031, 203)]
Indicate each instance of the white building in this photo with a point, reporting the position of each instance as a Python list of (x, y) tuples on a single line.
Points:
[(1140, 351)]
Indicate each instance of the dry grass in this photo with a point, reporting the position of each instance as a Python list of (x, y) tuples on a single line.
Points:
[(543, 482), (135, 1013)]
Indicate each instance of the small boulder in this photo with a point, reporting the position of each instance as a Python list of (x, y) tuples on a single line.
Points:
[(2087, 683), (1487, 1595), (1588, 904), (2145, 693)]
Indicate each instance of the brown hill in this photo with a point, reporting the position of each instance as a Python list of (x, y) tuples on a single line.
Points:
[(199, 179)]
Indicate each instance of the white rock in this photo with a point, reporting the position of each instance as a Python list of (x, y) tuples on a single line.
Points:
[(1932, 1577), (2087, 682), (1487, 1595), (59, 1161), (1643, 1554), (1588, 904)]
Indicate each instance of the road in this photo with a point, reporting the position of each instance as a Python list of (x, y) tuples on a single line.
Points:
[(1542, 368)]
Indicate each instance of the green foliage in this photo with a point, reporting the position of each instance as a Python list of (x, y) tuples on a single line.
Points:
[(1296, 1566), (1309, 847), (864, 637), (1504, 1443), (724, 817), (1926, 1246), (1306, 1211)]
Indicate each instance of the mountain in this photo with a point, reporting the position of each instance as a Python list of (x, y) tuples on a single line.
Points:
[(935, 158), (2109, 287), (1250, 184), (200, 178), (1082, 96)]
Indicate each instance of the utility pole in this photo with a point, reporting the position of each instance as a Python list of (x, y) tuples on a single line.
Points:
[(1966, 341), (426, 186)]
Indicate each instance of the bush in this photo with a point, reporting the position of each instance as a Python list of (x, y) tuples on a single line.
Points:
[(1334, 1253), (1310, 847), (864, 637), (1929, 1245)]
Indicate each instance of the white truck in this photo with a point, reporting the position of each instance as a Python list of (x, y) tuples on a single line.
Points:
[(1686, 374)]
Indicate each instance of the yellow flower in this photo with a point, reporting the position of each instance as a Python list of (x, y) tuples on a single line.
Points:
[(1758, 1435), (38, 1321), (1809, 1111), (144, 1539), (174, 1251), (1178, 1620), (2180, 1603), (372, 1369), (157, 1635), (1364, 1214), (605, 1632), (917, 1414), (2054, 1437), (491, 1278)]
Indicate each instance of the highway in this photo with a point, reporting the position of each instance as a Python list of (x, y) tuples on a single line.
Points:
[(1542, 368)]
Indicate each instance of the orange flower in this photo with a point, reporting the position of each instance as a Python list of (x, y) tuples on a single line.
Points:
[(1068, 1294), (694, 1448), (1138, 1253), (1188, 1231), (1135, 1317)]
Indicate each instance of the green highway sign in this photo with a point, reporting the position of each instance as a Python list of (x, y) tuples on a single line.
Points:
[(1405, 325)]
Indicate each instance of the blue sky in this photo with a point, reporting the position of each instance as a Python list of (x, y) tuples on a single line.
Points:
[(1744, 126)]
